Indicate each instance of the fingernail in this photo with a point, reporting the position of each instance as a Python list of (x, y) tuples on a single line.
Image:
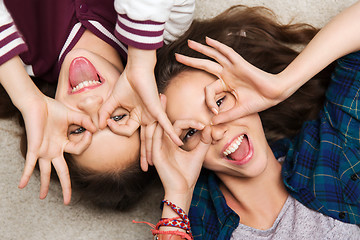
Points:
[(215, 111)]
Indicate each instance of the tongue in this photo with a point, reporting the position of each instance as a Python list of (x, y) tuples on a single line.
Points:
[(242, 150), (81, 70)]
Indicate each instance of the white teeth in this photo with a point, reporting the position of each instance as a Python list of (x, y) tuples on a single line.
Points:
[(85, 84), (233, 146)]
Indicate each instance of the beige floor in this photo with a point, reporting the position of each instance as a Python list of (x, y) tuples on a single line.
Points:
[(24, 216)]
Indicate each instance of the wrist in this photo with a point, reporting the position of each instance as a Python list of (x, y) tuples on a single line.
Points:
[(17, 83), (181, 200), (174, 219), (30, 100), (287, 84), (141, 59)]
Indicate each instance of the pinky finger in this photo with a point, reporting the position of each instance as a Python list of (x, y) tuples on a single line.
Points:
[(227, 51), (30, 162)]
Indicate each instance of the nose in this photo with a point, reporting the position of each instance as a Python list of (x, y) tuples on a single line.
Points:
[(91, 105), (218, 132)]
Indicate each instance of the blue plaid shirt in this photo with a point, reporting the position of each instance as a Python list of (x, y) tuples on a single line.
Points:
[(322, 165)]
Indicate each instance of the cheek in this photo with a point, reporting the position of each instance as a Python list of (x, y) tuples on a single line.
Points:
[(211, 159)]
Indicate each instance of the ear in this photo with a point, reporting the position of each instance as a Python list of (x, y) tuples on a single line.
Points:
[(79, 145)]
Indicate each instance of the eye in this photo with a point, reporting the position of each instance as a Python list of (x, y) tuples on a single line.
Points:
[(117, 118), (189, 134), (220, 101), (78, 130)]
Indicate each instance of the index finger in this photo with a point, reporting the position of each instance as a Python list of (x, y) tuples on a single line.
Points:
[(168, 128), (201, 149), (81, 120), (106, 110), (211, 91)]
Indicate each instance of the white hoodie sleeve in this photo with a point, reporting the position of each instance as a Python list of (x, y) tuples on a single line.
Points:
[(11, 42), (146, 24)]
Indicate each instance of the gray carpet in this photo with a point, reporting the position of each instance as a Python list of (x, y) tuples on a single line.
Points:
[(24, 216)]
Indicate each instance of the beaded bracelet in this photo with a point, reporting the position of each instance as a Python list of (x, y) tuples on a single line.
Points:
[(181, 222), (173, 222), (179, 211)]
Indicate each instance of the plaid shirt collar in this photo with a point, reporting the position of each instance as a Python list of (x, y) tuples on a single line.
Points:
[(210, 216)]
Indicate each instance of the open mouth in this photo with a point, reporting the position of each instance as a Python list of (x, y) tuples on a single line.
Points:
[(239, 151), (83, 75)]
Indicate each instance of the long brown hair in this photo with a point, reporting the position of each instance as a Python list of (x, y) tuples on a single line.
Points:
[(259, 38)]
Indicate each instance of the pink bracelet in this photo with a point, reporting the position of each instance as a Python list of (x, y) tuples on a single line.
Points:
[(182, 234)]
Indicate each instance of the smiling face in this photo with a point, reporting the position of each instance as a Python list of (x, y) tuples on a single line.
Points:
[(238, 148), (85, 82)]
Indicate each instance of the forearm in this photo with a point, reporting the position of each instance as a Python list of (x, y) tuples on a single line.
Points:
[(16, 82), (338, 38)]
